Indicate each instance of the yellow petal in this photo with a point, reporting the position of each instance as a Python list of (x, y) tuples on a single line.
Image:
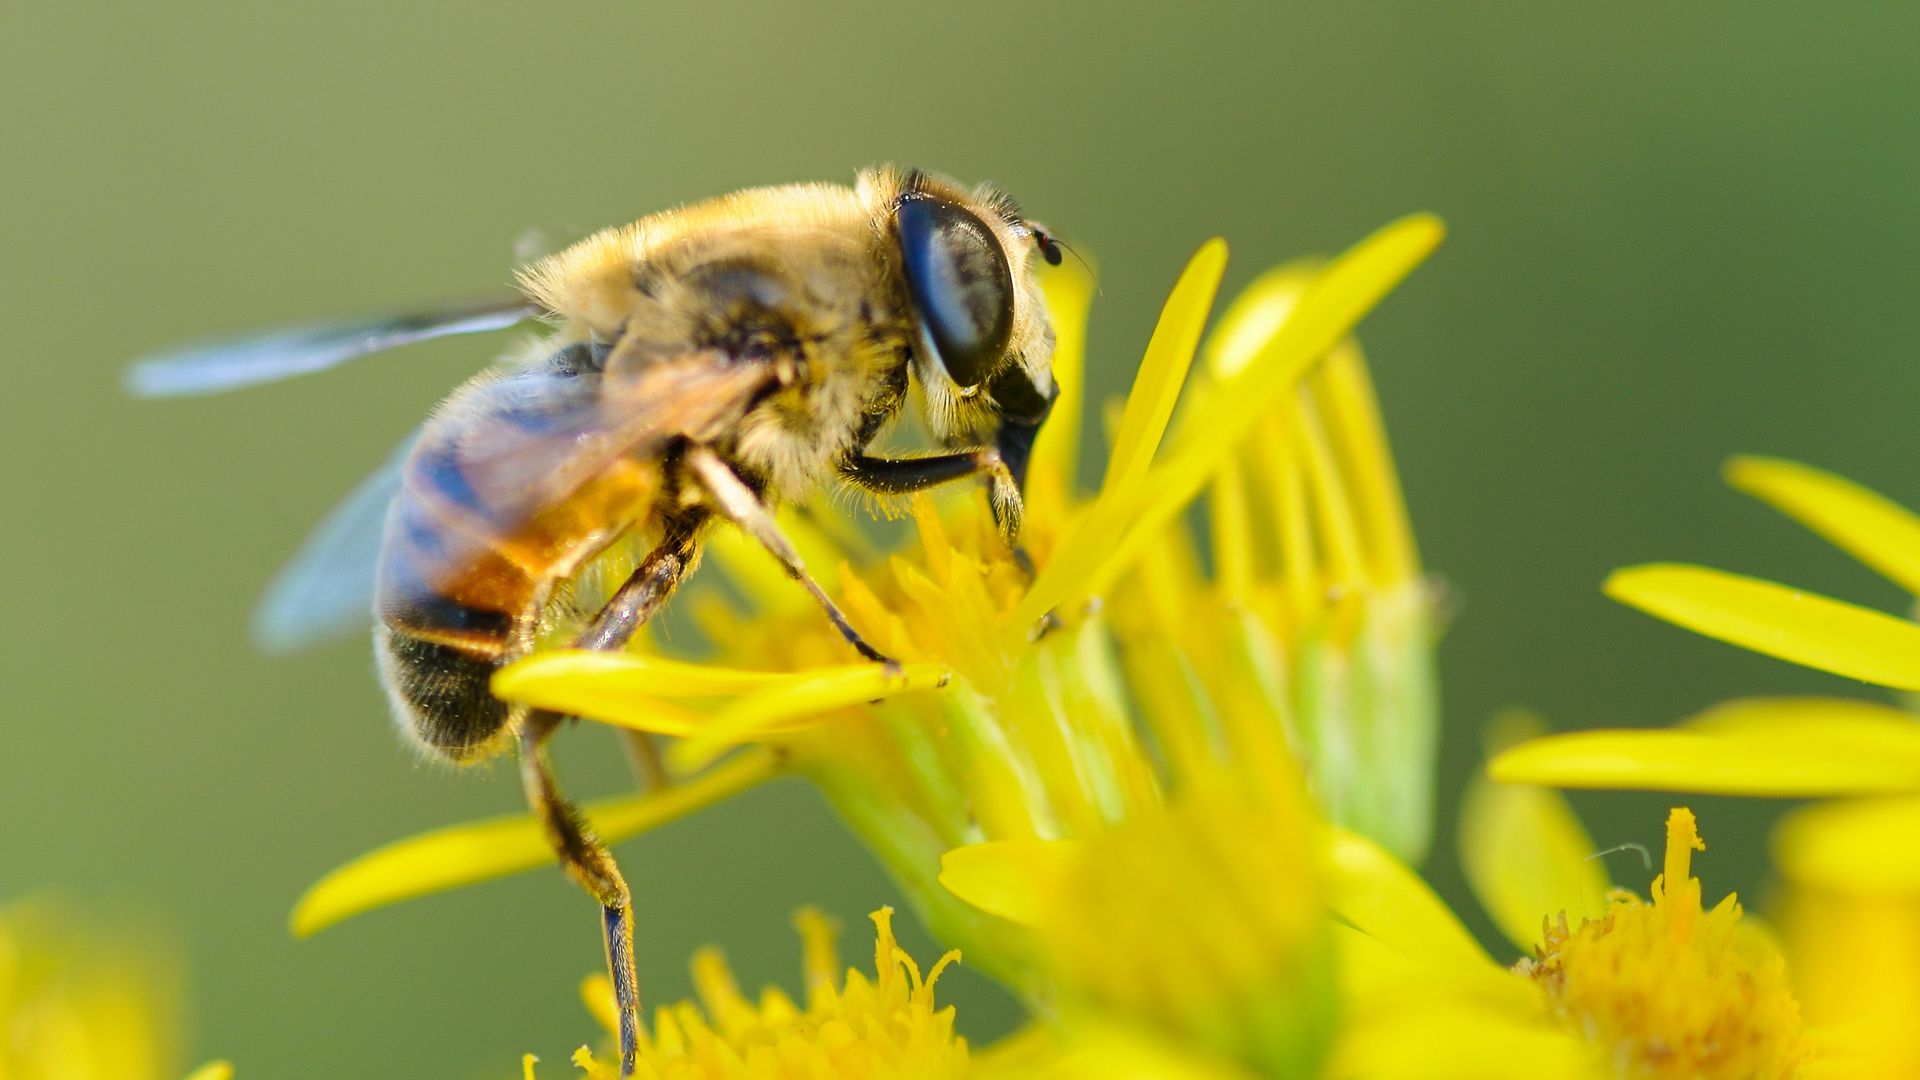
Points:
[(621, 675), (1014, 879), (1788, 623), (1865, 524), (482, 850), (1527, 858), (1375, 893), (800, 701), (1770, 747), (213, 1070), (1346, 289), (1862, 847), (1255, 315), (1097, 1047), (1867, 726), (1163, 369), (1460, 1040), (1056, 450)]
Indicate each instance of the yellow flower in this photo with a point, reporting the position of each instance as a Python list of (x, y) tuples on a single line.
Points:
[(76, 1007), (1118, 693), (1061, 703), (879, 1027), (1659, 989), (1851, 909), (1108, 697), (1671, 990)]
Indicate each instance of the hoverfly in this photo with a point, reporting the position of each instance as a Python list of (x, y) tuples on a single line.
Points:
[(703, 364)]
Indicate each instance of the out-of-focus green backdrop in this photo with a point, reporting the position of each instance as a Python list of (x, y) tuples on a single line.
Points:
[(1676, 233)]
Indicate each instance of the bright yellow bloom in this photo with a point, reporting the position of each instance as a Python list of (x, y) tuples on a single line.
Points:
[(1660, 989), (1670, 990), (860, 1027), (1062, 704), (1851, 911), (1125, 695)]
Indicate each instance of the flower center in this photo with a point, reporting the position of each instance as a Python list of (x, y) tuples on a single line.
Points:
[(1671, 990)]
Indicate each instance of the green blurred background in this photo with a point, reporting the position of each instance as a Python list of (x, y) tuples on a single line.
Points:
[(1677, 232)]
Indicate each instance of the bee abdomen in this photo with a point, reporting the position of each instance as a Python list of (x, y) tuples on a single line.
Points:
[(439, 690), (443, 635)]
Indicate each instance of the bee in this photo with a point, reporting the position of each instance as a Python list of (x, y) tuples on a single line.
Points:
[(702, 366)]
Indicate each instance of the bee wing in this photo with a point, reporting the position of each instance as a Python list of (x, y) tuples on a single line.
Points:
[(216, 366), (326, 590), (530, 442)]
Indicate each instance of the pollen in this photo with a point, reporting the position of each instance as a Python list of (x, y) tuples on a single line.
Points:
[(1670, 990), (857, 1026)]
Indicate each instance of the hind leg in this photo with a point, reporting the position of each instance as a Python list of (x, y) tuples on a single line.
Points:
[(584, 858)]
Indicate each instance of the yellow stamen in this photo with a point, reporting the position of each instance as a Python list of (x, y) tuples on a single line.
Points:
[(1673, 992)]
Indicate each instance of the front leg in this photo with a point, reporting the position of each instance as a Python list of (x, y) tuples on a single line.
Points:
[(900, 476), (734, 500)]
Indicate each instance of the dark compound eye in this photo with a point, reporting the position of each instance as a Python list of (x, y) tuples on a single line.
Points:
[(961, 286)]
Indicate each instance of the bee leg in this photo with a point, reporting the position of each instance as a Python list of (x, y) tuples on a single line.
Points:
[(587, 862), (628, 609), (898, 476), (736, 502), (584, 858)]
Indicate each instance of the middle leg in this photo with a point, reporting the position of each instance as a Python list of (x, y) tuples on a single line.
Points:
[(582, 855)]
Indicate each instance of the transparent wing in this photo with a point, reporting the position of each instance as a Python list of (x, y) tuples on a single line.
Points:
[(216, 366), (510, 459), (326, 590)]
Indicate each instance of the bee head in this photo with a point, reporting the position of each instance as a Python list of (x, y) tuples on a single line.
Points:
[(983, 347)]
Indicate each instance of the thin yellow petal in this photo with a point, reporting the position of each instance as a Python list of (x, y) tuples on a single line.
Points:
[(1867, 726), (1776, 620), (1375, 893), (213, 1070), (1340, 294), (799, 702), (1354, 417), (1859, 848), (1865, 524), (482, 850), (1527, 858), (621, 673), (1163, 369), (1720, 762), (1255, 315), (1015, 879), (1056, 450)]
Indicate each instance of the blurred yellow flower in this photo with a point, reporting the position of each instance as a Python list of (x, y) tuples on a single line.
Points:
[(1200, 927), (78, 1006), (857, 1027)]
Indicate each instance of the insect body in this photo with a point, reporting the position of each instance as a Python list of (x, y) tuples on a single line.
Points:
[(706, 363)]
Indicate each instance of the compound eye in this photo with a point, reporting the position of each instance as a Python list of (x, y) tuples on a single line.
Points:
[(961, 286)]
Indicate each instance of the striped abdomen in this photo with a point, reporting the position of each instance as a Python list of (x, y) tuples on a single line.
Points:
[(488, 520)]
